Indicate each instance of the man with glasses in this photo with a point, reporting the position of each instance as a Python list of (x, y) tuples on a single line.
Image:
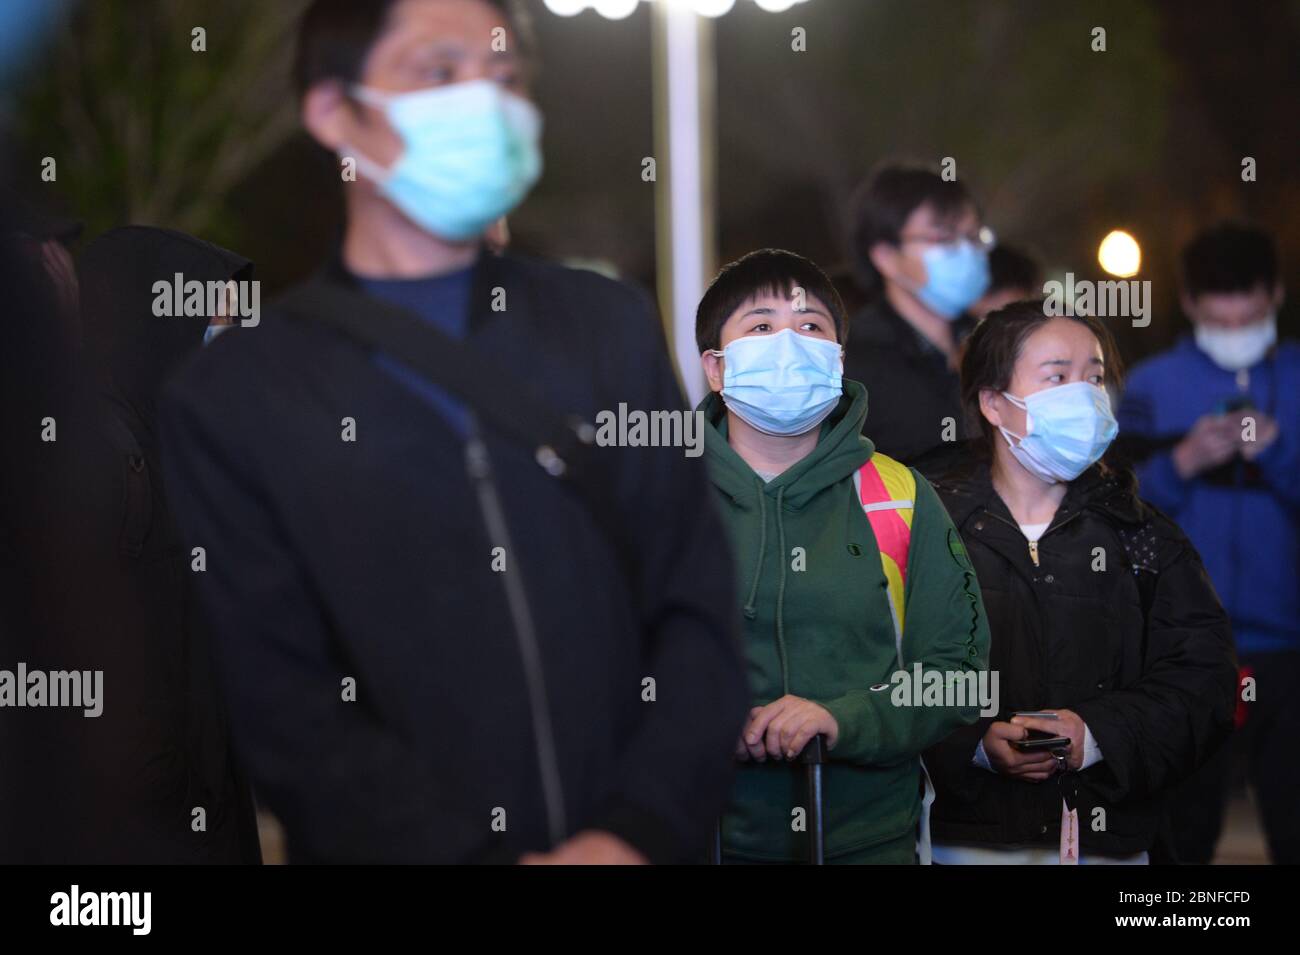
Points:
[(922, 253)]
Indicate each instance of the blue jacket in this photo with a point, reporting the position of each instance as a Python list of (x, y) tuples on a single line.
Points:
[(1243, 518)]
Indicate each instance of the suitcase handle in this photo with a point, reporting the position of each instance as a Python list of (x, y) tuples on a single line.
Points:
[(813, 755)]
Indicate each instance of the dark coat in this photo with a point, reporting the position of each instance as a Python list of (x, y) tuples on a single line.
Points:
[(182, 740), (1119, 623), (331, 560), (107, 587), (913, 391)]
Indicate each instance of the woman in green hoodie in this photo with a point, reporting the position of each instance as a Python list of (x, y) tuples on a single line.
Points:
[(862, 617)]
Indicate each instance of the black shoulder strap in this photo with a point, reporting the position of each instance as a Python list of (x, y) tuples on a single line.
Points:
[(505, 404), (562, 445)]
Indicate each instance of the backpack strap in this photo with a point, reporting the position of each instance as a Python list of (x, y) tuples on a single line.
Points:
[(887, 491)]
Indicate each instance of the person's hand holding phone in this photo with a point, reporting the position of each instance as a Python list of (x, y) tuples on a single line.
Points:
[(1265, 433), (1033, 766), (1214, 439), (1067, 723)]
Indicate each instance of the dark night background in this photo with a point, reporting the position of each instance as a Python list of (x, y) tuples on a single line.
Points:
[(1059, 143)]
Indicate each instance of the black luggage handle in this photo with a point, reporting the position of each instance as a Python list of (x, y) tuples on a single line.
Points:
[(814, 752), (813, 755)]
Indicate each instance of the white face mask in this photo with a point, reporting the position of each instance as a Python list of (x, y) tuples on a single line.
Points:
[(1233, 349)]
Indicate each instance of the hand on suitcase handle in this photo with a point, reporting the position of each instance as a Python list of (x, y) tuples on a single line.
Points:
[(813, 755), (782, 729)]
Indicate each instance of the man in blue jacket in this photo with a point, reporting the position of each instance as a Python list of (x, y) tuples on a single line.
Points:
[(1217, 420)]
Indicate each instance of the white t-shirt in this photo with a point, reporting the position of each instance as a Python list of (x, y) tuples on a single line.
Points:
[(1033, 531)]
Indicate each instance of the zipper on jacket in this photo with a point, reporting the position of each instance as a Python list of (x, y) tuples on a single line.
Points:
[(1033, 545), (1033, 554), (479, 468)]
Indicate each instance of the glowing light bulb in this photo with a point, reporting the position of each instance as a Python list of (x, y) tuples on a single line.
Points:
[(1119, 254), (713, 8), (615, 9), (565, 8)]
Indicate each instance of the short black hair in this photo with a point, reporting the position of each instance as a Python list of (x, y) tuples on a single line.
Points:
[(335, 36), (1229, 258), (765, 272), (1010, 268), (882, 204)]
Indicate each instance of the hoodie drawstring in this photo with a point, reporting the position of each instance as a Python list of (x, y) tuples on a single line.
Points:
[(780, 592), (780, 587), (762, 546)]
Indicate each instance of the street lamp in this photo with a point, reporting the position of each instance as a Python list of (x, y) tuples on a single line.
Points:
[(1119, 254), (618, 9), (685, 227)]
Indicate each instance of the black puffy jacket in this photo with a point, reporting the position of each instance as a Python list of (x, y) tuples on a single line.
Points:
[(1117, 622)]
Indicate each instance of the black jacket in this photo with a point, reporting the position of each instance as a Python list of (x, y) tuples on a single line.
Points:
[(913, 391), (103, 582), (368, 560), (1156, 687)]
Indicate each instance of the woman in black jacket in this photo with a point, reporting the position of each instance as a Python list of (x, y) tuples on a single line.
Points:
[(1102, 617)]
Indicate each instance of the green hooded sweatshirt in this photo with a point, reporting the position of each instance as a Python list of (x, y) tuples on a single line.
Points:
[(817, 625)]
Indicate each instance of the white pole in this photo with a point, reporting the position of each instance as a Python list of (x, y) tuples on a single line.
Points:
[(684, 211)]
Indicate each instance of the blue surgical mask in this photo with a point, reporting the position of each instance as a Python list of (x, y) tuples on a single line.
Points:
[(1067, 430), (782, 384), (956, 274), (470, 154)]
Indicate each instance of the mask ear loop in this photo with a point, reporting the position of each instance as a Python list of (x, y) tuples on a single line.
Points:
[(718, 353), (365, 165), (1007, 433)]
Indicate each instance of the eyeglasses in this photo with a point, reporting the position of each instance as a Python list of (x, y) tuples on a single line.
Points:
[(983, 238)]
